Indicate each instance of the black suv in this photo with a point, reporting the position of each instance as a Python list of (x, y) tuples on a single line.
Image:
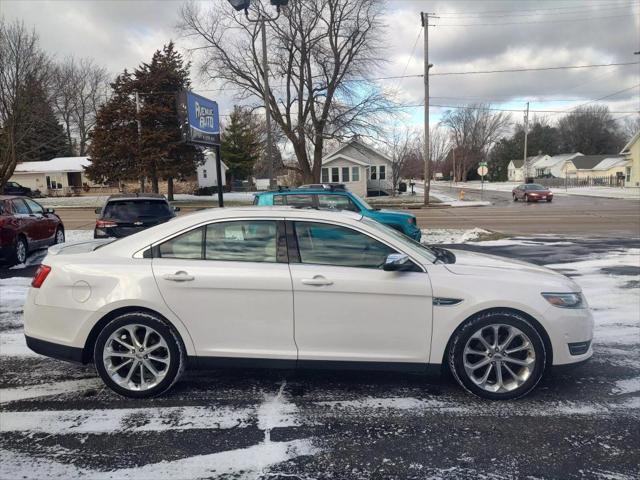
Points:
[(126, 214), (14, 188)]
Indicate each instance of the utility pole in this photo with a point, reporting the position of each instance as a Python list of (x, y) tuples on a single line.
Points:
[(142, 187), (263, 19), (424, 17), (526, 133)]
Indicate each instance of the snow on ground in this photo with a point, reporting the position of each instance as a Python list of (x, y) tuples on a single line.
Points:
[(451, 235), (605, 192), (449, 200)]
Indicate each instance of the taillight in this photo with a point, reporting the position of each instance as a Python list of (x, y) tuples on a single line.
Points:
[(41, 275), (105, 224)]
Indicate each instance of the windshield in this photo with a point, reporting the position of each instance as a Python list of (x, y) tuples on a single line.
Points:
[(406, 241), (535, 186), (362, 202), (132, 210)]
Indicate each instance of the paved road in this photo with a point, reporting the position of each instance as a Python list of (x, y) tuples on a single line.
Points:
[(566, 215), (572, 215), (57, 420)]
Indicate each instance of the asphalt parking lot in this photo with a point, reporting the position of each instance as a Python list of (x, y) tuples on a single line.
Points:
[(57, 420)]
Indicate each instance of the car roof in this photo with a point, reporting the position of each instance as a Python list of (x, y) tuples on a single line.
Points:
[(304, 191), (10, 197), (185, 222), (136, 196)]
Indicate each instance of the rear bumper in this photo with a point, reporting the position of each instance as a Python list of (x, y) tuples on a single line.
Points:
[(55, 350)]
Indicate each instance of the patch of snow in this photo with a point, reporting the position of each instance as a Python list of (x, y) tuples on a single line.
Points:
[(47, 389), (616, 309), (396, 403), (35, 257), (244, 463), (125, 420), (629, 385), (13, 344), (13, 292), (447, 235)]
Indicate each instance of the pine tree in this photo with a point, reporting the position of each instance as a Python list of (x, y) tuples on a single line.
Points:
[(114, 139), (47, 139), (240, 144)]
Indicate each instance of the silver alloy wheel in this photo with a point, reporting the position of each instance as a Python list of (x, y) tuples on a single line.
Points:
[(21, 251), (499, 358), (136, 357), (60, 236)]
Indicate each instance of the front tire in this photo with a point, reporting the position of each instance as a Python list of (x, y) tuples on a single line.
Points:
[(21, 251), (59, 236), (498, 356), (138, 355), (515, 198)]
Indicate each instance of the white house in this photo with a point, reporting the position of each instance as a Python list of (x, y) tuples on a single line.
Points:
[(207, 172), (514, 171), (57, 176), (360, 167)]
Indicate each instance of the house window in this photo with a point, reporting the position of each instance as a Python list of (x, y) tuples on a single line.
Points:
[(204, 173), (345, 174), (383, 173), (325, 175), (374, 172), (335, 174), (355, 174), (628, 174)]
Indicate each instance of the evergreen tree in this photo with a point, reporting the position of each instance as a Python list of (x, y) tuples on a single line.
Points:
[(118, 152), (47, 139), (114, 139), (240, 144)]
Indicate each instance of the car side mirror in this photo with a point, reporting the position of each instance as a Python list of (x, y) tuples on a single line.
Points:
[(98, 210), (396, 262), (49, 210), (176, 209)]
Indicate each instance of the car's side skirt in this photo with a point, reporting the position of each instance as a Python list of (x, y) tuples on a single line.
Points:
[(204, 363)]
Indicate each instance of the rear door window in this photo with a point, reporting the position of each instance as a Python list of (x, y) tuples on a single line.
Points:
[(186, 246), (136, 210), (300, 201), (242, 241)]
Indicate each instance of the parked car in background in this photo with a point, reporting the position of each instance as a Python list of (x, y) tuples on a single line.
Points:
[(126, 214), (337, 198), (25, 226), (14, 188), (283, 287), (532, 192)]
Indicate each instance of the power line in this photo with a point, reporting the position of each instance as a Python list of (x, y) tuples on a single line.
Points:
[(583, 19), (493, 109), (410, 57), (537, 12), (566, 7), (606, 96)]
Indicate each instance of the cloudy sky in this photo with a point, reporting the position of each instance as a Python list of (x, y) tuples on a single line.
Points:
[(468, 36)]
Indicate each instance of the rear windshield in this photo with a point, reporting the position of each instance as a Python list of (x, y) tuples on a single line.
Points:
[(132, 210), (535, 186)]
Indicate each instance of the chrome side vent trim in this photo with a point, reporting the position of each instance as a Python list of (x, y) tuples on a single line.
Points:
[(446, 302)]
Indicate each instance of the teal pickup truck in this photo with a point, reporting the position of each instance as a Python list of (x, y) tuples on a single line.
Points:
[(340, 199)]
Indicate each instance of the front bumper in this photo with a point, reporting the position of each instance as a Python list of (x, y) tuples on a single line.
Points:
[(571, 334)]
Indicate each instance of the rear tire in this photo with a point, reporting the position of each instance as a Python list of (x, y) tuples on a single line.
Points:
[(515, 198), (549, 200), (526, 198), (138, 355), (505, 369)]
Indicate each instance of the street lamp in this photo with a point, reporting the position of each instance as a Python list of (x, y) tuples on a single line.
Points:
[(263, 19)]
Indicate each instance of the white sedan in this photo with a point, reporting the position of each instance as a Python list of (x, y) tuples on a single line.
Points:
[(283, 287)]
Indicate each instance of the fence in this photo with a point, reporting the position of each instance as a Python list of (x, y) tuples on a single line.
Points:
[(574, 182)]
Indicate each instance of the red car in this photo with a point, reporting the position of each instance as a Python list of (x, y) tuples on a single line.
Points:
[(532, 192), (25, 226)]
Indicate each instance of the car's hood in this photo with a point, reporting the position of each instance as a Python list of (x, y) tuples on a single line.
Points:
[(393, 213), (471, 263)]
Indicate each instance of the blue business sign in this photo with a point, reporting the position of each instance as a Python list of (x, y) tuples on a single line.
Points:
[(202, 120)]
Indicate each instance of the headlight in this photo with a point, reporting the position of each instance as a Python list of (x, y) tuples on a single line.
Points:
[(564, 300)]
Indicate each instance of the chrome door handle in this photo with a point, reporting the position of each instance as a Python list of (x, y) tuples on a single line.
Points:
[(317, 281), (180, 276)]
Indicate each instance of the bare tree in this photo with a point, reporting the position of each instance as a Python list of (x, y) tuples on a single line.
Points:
[(82, 87), (629, 126), (320, 50), (23, 66), (399, 147), (474, 129)]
